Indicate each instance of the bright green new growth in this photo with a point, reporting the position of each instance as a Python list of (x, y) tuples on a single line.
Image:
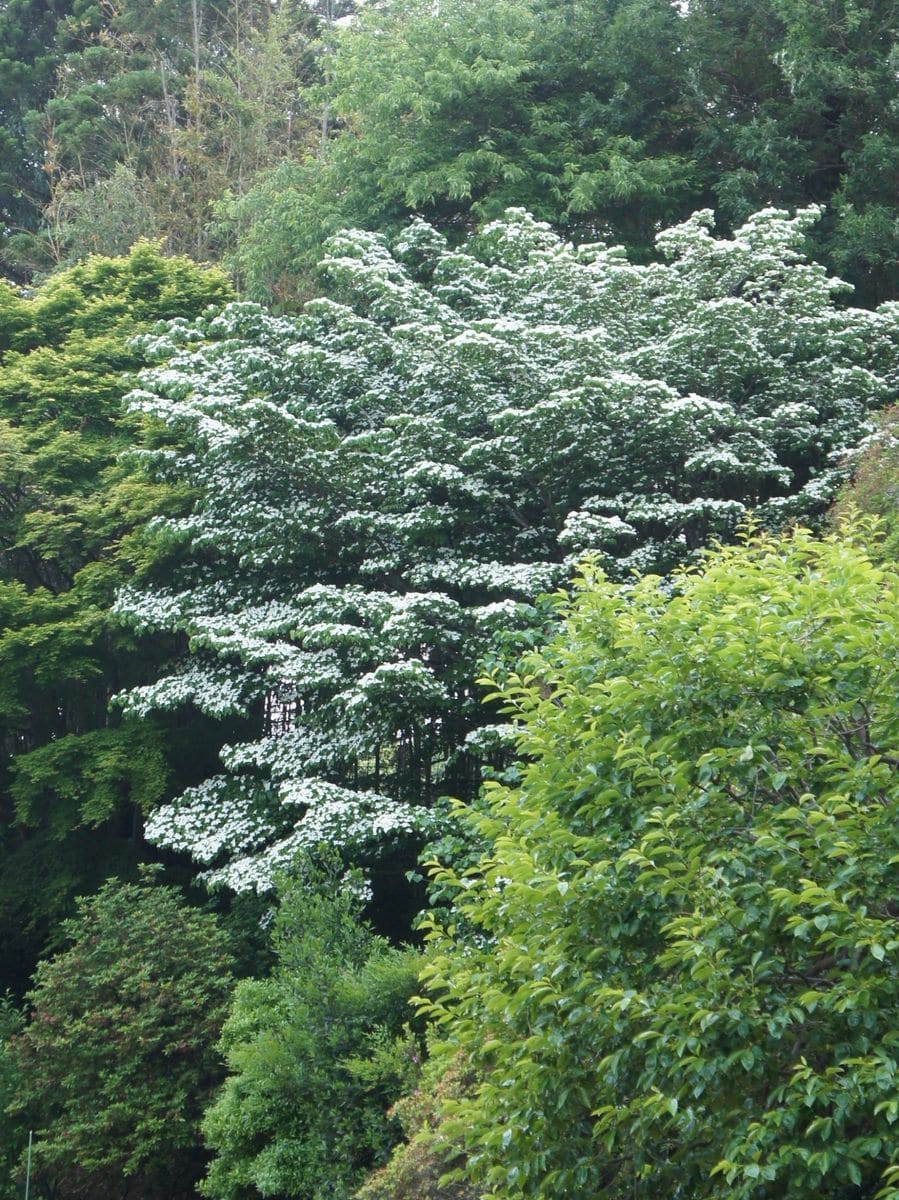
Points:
[(73, 519), (685, 981)]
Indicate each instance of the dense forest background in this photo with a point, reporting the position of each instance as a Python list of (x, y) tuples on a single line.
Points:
[(335, 342), (248, 131)]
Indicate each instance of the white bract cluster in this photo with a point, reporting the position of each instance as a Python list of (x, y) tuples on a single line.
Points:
[(386, 483), (222, 822)]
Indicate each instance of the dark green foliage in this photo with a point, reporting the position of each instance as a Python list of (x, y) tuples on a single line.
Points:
[(155, 111), (28, 60), (72, 528), (118, 1059), (460, 113), (40, 877), (115, 100), (684, 980), (609, 120), (13, 1135), (839, 60), (315, 1053)]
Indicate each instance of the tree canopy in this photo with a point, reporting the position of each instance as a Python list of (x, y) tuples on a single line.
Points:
[(252, 130), (73, 783), (676, 974), (133, 120), (607, 119), (556, 291), (117, 1059), (384, 483), (315, 1052)]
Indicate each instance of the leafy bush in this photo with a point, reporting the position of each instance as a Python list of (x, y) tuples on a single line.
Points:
[(418, 1167), (874, 488), (685, 972), (316, 1054), (117, 1059), (13, 1135)]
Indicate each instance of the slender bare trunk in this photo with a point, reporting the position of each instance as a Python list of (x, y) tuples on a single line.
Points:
[(195, 22), (329, 46), (171, 119), (198, 216)]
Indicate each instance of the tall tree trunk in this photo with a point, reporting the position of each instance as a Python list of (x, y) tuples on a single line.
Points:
[(196, 18)]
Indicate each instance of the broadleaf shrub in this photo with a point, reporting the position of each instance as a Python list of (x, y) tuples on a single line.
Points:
[(684, 971)]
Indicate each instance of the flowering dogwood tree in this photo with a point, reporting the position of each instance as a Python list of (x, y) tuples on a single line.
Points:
[(389, 481)]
